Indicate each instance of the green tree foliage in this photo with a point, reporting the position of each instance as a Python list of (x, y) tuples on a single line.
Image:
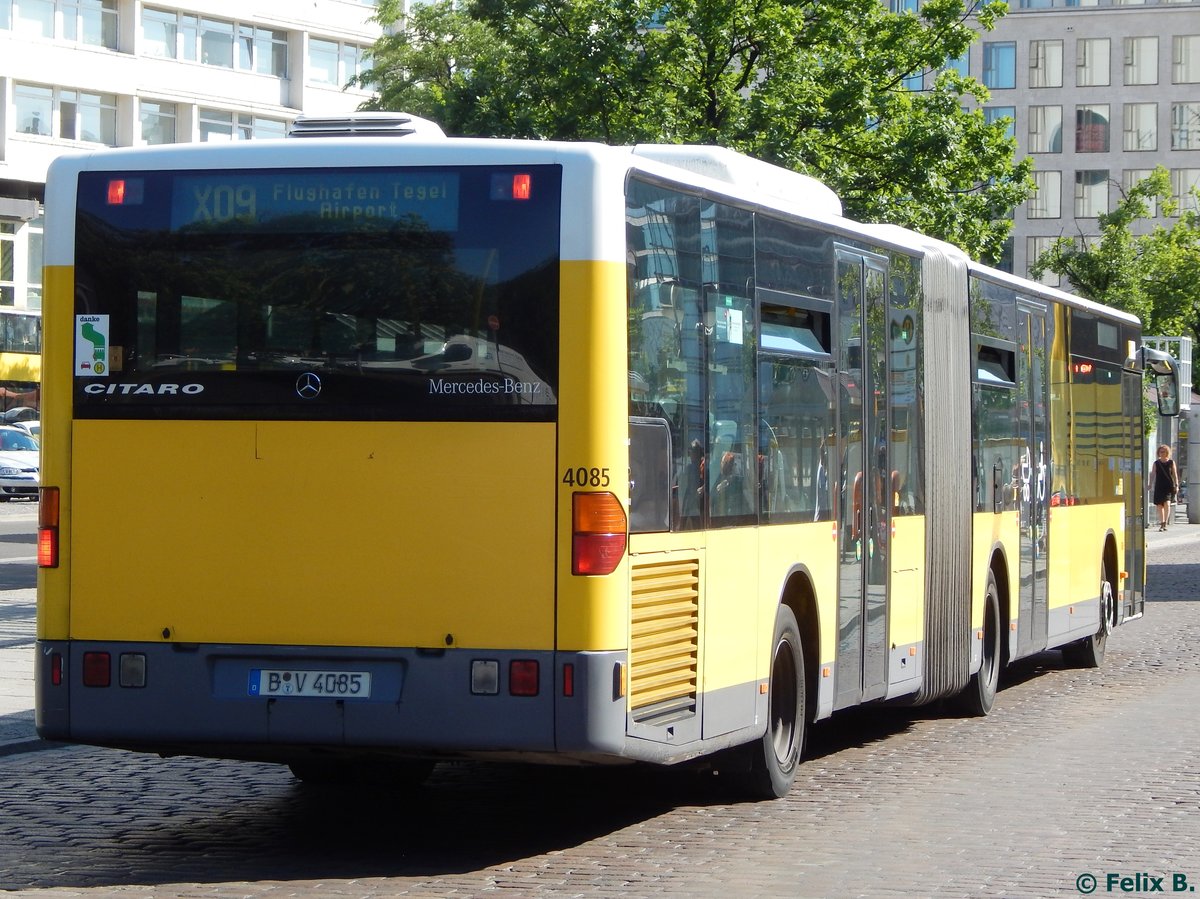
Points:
[(817, 86), (1153, 273)]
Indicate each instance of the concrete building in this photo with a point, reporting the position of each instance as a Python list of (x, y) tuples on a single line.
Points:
[(82, 74), (1100, 93)]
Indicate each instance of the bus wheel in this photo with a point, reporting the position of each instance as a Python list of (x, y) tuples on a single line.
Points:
[(1089, 652), (980, 694), (774, 764)]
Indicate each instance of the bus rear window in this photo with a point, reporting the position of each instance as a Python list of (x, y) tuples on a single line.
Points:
[(381, 294)]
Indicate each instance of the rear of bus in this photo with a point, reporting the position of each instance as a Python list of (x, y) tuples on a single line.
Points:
[(302, 449)]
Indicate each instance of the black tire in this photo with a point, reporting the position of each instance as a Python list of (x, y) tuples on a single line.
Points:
[(980, 694), (1089, 652), (777, 755)]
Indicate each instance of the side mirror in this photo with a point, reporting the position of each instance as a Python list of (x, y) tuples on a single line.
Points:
[(1162, 368)]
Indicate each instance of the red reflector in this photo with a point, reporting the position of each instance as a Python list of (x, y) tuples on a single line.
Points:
[(523, 677), (596, 553), (116, 192), (97, 669), (56, 669), (47, 547), (568, 680), (599, 524), (522, 187)]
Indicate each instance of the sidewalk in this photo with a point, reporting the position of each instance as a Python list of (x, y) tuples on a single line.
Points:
[(18, 612)]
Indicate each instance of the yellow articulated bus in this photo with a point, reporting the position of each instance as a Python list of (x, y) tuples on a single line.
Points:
[(364, 453), (20, 365)]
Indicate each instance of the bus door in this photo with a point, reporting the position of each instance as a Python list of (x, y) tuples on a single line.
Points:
[(1034, 498), (1133, 599), (863, 514)]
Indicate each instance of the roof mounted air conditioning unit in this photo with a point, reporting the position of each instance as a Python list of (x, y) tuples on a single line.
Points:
[(365, 124)]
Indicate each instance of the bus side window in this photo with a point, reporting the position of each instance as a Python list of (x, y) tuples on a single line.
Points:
[(649, 475)]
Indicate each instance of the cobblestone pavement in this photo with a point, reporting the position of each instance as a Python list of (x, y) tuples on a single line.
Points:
[(1076, 773)]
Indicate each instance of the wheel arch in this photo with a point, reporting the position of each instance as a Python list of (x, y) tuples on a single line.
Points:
[(998, 566), (1110, 567), (800, 596)]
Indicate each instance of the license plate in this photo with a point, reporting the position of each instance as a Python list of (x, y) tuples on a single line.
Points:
[(322, 684)]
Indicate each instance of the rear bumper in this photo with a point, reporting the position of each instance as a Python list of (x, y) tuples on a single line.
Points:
[(198, 700)]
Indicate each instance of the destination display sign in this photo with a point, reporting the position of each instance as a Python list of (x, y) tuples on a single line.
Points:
[(345, 198)]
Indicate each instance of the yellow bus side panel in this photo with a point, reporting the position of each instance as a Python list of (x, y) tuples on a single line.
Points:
[(906, 611), (1077, 535), (786, 547), (54, 586), (318, 533), (593, 438), (732, 621), (994, 532)]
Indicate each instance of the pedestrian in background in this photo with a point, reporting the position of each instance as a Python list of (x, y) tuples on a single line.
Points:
[(1164, 485)]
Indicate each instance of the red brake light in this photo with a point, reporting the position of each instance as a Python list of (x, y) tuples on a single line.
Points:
[(523, 677), (522, 187), (598, 538), (97, 669), (116, 192), (47, 541)]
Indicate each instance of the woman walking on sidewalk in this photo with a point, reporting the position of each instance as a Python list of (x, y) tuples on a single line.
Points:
[(1164, 484)]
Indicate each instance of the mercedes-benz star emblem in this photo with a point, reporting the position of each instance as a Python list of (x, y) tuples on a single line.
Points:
[(308, 386)]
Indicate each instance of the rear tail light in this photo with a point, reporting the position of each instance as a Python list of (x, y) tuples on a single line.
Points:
[(47, 540), (523, 677), (56, 669), (97, 669), (598, 533)]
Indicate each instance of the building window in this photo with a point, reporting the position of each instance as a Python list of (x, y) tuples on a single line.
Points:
[(160, 33), (1185, 61), (1000, 64), (1091, 62), (221, 125), (253, 127), (902, 6), (33, 18), (8, 263), (323, 61), (216, 43), (1091, 193), (993, 114), (1185, 126), (1035, 247), (1141, 126), (1184, 183), (88, 117), (173, 35), (158, 122), (960, 64), (34, 107), (34, 258), (1046, 202), (1045, 129), (1141, 60), (262, 50), (1091, 128), (92, 22), (1045, 63), (1131, 177), (81, 115)]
